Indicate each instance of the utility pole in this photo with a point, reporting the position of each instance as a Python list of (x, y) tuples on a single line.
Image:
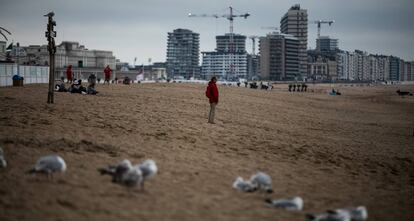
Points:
[(51, 47)]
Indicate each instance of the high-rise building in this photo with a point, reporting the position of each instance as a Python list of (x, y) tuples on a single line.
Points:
[(384, 67), (343, 65), (409, 71), (229, 61), (224, 45), (279, 57), (183, 48), (394, 68), (253, 66), (352, 75), (295, 22), (361, 63), (325, 43), (226, 66), (402, 70)]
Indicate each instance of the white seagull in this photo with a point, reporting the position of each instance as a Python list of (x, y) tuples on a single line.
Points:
[(293, 204), (148, 169), (49, 165), (126, 174), (244, 185), (132, 178), (117, 171), (3, 162), (357, 213), (328, 217), (347, 214), (262, 181)]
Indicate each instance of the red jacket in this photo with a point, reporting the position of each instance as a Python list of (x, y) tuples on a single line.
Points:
[(107, 72), (69, 73), (212, 92)]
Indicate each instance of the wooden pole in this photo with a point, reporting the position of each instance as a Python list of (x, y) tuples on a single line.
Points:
[(50, 35), (50, 97)]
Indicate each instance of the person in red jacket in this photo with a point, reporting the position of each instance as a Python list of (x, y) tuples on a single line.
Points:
[(213, 96), (69, 74), (108, 72)]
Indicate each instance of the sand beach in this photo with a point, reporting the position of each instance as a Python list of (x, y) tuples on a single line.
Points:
[(333, 151)]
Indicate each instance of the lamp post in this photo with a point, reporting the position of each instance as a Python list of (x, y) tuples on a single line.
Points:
[(51, 47)]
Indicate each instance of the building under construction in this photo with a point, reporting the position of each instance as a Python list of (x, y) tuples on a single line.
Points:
[(229, 61)]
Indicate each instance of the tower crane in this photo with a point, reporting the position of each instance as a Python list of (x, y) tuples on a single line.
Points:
[(319, 22), (229, 17)]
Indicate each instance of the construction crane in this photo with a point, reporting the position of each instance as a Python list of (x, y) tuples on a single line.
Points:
[(319, 22), (229, 17)]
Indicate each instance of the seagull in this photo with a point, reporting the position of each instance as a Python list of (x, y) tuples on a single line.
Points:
[(293, 204), (49, 165), (50, 14), (3, 163), (328, 217), (357, 213), (262, 181), (148, 169), (126, 174), (132, 178), (347, 214), (244, 185), (117, 171)]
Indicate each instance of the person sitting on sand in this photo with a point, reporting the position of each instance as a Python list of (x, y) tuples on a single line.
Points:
[(60, 87), (338, 93), (126, 80), (213, 95), (91, 87), (290, 87), (77, 87)]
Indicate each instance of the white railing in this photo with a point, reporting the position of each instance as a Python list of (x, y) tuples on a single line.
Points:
[(31, 74)]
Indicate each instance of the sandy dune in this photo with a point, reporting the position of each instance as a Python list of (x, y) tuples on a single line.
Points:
[(350, 150)]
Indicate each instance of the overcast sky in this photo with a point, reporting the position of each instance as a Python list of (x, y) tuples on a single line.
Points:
[(138, 28)]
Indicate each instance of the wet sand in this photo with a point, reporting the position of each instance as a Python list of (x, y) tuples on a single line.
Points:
[(333, 151)]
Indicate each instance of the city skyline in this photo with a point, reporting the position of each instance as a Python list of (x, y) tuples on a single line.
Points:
[(139, 29)]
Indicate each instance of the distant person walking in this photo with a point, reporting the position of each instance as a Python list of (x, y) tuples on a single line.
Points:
[(69, 74), (108, 72), (213, 96)]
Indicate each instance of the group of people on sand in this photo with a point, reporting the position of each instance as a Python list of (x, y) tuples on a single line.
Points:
[(76, 84), (77, 87), (298, 87), (70, 76)]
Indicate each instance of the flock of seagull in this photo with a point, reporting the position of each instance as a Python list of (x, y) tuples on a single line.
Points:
[(123, 173), (262, 182), (129, 175)]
